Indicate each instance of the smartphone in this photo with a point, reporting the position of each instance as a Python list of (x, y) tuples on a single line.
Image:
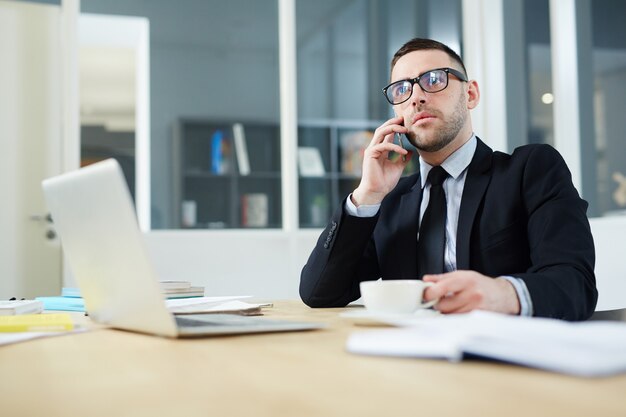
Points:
[(400, 137)]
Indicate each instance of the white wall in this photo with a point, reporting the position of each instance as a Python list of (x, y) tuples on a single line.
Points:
[(265, 264), (609, 235)]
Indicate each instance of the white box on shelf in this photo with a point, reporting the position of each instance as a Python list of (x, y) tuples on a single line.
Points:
[(310, 162), (188, 210)]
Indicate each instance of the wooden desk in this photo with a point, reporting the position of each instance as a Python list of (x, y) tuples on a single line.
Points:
[(115, 373)]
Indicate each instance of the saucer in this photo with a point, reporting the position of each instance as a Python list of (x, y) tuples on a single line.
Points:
[(363, 317)]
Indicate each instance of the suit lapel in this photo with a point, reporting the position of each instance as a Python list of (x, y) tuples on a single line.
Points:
[(476, 181)]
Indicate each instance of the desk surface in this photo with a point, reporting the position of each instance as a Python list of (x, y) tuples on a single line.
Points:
[(114, 373)]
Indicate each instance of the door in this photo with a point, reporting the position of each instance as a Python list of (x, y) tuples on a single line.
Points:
[(30, 143)]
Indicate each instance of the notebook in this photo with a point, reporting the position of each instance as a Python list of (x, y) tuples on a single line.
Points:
[(93, 214)]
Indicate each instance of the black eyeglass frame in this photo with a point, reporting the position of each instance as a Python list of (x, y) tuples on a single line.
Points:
[(417, 79)]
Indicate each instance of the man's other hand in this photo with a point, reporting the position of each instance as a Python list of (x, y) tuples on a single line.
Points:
[(464, 291)]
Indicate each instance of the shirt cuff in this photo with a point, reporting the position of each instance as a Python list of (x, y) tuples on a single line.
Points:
[(526, 304), (363, 210)]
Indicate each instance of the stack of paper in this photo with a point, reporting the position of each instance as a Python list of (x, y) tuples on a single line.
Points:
[(180, 289), (63, 303), (586, 349)]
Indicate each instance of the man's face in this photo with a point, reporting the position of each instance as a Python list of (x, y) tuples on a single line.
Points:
[(434, 120)]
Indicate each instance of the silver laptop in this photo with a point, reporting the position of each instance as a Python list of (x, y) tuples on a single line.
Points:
[(93, 214)]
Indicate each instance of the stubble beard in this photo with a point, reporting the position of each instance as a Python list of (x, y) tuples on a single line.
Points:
[(444, 136)]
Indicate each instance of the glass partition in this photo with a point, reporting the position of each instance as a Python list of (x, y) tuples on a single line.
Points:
[(214, 94), (539, 71), (344, 52), (113, 85), (608, 84)]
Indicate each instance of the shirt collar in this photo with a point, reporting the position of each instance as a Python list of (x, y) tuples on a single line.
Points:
[(455, 164)]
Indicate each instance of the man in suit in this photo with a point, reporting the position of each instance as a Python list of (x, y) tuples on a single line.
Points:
[(492, 231)]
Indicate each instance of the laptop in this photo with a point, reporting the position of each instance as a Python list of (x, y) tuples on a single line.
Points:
[(94, 216)]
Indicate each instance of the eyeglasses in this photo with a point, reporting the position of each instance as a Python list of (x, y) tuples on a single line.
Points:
[(431, 81)]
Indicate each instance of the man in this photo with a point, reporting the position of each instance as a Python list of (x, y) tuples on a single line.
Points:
[(505, 233)]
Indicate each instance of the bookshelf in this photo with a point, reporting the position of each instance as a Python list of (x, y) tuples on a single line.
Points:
[(227, 192), (213, 187)]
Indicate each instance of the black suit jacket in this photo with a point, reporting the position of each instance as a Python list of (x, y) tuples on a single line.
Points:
[(520, 216)]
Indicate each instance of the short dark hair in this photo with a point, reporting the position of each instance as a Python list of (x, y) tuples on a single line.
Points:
[(420, 44)]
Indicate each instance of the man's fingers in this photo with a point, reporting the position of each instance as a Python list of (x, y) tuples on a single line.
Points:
[(387, 130), (441, 287), (386, 147), (447, 284), (433, 277), (456, 303)]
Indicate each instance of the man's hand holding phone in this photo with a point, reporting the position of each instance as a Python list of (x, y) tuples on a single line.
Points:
[(381, 174)]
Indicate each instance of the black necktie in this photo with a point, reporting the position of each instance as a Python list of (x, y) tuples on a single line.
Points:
[(432, 232)]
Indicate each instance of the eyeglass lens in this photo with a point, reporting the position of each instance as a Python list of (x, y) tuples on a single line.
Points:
[(431, 82)]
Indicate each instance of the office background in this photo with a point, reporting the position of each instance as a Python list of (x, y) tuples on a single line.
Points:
[(293, 73)]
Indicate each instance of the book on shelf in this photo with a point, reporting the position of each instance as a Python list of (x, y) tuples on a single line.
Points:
[(254, 210), (220, 153), (241, 149), (15, 307), (36, 323), (353, 146), (310, 162)]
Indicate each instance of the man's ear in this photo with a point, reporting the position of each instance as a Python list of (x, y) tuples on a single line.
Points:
[(473, 94)]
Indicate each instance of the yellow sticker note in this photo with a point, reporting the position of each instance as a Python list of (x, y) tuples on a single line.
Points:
[(36, 323)]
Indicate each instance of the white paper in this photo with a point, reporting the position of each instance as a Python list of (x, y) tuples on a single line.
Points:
[(203, 300), (211, 304), (404, 343), (234, 306), (596, 348)]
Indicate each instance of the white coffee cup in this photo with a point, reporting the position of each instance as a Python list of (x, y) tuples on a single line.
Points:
[(399, 296)]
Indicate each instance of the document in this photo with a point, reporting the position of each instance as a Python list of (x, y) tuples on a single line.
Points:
[(227, 304), (590, 349)]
